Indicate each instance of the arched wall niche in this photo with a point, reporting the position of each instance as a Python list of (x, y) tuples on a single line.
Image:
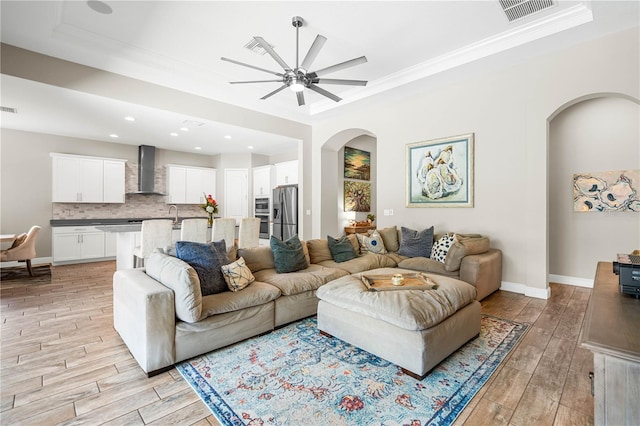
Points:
[(333, 217), (593, 133)]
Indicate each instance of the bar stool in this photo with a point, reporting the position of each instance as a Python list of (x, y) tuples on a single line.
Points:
[(155, 233), (194, 230), (249, 233), (224, 229)]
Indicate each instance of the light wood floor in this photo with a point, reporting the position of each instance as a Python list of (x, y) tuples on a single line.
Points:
[(63, 363)]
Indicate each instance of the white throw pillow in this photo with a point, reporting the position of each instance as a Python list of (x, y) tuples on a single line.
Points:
[(371, 243), (442, 246), (237, 275)]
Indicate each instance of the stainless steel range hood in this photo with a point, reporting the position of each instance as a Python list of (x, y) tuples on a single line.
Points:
[(146, 171)]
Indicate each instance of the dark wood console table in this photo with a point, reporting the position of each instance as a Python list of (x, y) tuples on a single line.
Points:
[(612, 333)]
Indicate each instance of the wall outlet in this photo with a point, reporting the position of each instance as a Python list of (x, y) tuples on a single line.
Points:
[(308, 212), (390, 212)]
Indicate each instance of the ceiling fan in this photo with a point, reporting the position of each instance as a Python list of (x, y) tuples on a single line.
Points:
[(300, 77)]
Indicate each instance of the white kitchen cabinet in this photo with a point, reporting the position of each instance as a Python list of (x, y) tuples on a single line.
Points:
[(110, 244), (187, 185), (262, 184), (287, 173), (80, 179), (77, 243), (114, 185)]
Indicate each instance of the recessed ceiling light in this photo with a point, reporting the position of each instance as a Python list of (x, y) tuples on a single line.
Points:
[(130, 118), (100, 7), (198, 148), (184, 129), (227, 136), (113, 135), (250, 147), (173, 134)]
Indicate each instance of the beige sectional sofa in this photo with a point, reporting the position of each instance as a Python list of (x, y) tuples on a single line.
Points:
[(163, 318)]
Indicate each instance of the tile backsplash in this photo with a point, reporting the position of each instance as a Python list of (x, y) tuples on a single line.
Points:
[(135, 205)]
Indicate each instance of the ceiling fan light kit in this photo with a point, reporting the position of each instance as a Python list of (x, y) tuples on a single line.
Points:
[(299, 78)]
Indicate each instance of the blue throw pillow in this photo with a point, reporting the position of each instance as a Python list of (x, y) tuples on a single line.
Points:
[(341, 249), (414, 243), (288, 256), (206, 259)]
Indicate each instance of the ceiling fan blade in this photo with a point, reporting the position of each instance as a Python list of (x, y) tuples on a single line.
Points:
[(324, 92), (251, 66), (266, 46), (341, 66), (274, 92), (340, 81), (313, 52), (300, 96), (256, 81)]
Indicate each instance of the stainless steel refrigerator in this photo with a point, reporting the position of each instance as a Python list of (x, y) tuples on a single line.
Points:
[(285, 211)]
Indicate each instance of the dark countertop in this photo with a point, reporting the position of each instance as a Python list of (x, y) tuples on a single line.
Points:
[(119, 221)]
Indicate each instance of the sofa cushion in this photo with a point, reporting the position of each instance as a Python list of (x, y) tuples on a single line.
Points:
[(441, 247), (182, 279), (318, 249), (371, 243), (288, 256), (425, 264), (206, 259), (474, 243), (256, 294), (300, 281), (362, 263), (416, 243), (257, 258), (341, 249), (237, 275), (390, 238)]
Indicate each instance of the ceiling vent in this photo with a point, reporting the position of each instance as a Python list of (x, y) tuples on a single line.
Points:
[(255, 47), (518, 9), (8, 109)]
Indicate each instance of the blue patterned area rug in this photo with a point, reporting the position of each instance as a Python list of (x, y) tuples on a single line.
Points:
[(296, 376)]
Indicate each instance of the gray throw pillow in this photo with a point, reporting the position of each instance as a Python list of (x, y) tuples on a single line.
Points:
[(288, 256), (206, 259), (416, 243), (341, 249)]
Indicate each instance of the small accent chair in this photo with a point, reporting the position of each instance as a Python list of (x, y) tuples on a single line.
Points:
[(224, 229), (194, 230), (249, 233), (23, 248), (155, 233)]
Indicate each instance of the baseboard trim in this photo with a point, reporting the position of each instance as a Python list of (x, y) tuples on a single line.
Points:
[(538, 293), (575, 281), (35, 261)]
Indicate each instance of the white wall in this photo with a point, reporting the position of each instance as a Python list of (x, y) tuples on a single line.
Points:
[(594, 135), (508, 111)]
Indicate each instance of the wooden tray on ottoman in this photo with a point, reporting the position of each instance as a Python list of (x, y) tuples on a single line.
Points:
[(411, 281)]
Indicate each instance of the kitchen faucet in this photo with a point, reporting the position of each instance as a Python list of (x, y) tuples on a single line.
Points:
[(175, 221)]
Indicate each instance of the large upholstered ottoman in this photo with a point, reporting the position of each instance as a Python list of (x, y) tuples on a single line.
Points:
[(414, 329)]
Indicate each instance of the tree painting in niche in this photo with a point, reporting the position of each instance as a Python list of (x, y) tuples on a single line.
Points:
[(357, 164), (357, 196)]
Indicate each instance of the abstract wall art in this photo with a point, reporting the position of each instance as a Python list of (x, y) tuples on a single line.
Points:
[(607, 191)]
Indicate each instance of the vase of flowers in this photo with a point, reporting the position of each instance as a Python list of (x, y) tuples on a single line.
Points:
[(210, 206)]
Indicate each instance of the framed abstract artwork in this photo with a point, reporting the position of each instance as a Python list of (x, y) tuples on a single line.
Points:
[(357, 196), (607, 191), (440, 172), (357, 164)]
